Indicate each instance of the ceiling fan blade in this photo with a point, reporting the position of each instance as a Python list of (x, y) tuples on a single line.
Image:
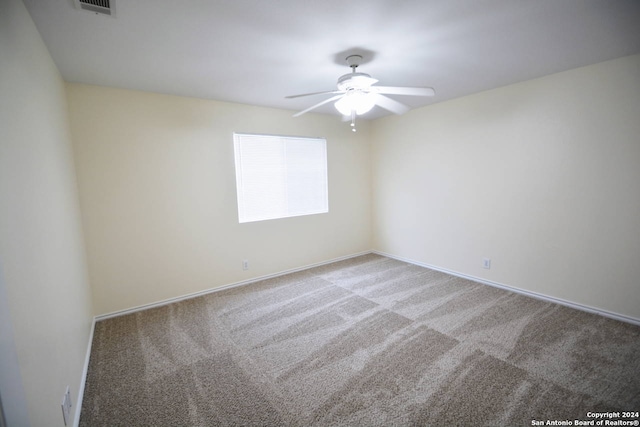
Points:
[(314, 93), (413, 91), (390, 104), (333, 98)]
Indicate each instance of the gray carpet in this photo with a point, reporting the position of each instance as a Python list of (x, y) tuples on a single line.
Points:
[(369, 341)]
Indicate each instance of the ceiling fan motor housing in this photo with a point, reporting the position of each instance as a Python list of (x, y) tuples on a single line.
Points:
[(355, 81)]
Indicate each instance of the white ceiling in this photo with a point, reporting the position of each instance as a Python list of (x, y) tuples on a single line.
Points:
[(258, 51)]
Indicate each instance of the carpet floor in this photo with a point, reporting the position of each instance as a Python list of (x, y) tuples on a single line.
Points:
[(369, 341)]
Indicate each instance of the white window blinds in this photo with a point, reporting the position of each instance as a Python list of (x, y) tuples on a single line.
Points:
[(280, 176)]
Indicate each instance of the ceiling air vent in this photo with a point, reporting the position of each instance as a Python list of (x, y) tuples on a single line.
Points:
[(103, 7)]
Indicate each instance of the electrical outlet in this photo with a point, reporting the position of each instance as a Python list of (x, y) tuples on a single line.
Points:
[(66, 406), (245, 264), (486, 263)]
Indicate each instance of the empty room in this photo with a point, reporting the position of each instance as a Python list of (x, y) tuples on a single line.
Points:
[(336, 213)]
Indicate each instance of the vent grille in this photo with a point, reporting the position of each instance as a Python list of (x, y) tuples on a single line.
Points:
[(104, 7)]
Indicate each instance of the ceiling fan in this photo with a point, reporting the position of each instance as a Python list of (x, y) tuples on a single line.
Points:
[(356, 94)]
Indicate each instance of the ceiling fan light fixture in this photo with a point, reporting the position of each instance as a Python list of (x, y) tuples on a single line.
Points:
[(360, 102)]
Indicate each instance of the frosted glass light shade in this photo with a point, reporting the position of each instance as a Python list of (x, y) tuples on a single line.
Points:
[(361, 102)]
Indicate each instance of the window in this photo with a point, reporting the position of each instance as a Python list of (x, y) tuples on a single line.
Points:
[(280, 176)]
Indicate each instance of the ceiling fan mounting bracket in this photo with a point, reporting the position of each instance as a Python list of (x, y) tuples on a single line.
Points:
[(354, 61)]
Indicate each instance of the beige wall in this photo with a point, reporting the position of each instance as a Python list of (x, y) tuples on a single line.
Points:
[(543, 177), (157, 190), (41, 250)]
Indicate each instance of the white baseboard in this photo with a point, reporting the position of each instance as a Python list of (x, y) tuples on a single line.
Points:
[(83, 380), (536, 295), (532, 294), (221, 288), (571, 304), (176, 299)]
